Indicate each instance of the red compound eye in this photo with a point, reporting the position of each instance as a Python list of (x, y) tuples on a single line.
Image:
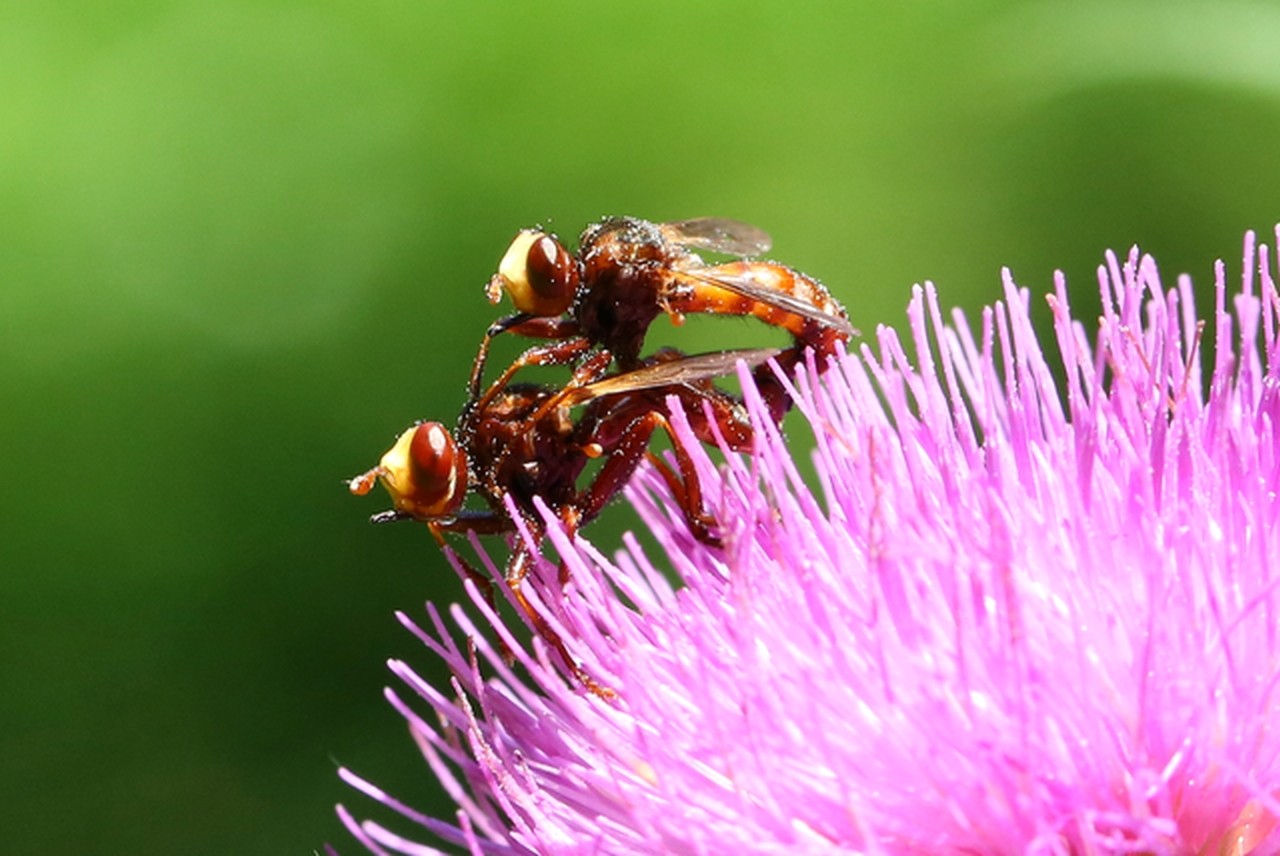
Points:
[(437, 469), (552, 274)]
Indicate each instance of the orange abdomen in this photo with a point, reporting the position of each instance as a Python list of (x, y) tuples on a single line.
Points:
[(772, 292)]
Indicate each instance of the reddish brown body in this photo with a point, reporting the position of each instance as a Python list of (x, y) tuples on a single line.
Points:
[(627, 272), (523, 441), (633, 271)]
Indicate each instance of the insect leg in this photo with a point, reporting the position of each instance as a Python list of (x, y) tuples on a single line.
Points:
[(480, 522), (555, 354), (623, 460), (522, 324), (591, 369), (518, 567)]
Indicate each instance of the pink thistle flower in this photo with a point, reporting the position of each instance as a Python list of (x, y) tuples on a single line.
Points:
[(1028, 615)]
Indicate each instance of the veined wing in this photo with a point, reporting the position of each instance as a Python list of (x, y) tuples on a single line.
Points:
[(719, 235), (678, 370)]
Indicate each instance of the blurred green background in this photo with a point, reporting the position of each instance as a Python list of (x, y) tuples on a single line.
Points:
[(243, 245)]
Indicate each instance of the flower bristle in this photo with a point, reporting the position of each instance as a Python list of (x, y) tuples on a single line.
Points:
[(1024, 614)]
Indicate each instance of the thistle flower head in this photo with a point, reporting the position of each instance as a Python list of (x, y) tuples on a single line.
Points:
[(1035, 609)]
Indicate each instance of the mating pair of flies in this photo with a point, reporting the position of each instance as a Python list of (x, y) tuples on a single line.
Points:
[(593, 310)]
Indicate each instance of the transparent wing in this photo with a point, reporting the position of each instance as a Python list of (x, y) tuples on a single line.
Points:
[(677, 370), (719, 235)]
